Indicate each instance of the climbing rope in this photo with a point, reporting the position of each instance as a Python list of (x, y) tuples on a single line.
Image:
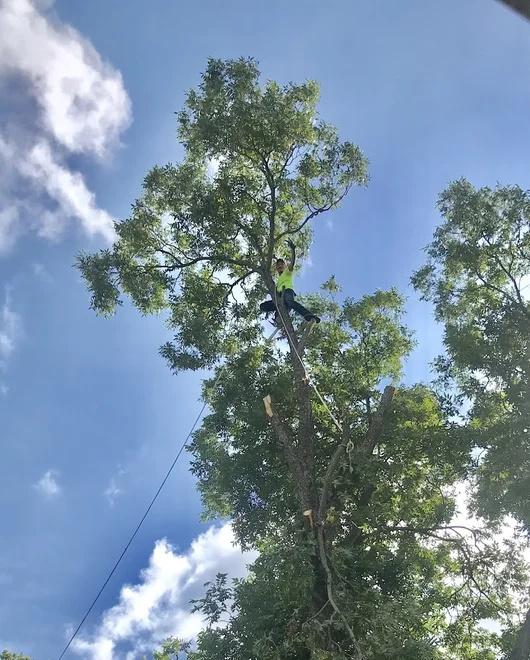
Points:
[(311, 382)]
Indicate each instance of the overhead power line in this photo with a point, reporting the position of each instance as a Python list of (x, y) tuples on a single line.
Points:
[(133, 536), (168, 474)]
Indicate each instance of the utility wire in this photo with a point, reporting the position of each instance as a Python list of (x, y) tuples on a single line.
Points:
[(143, 518), (168, 474)]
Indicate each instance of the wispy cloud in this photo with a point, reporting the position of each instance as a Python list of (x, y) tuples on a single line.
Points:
[(64, 100), (47, 485), (158, 606), (307, 263), (112, 492), (40, 271), (10, 329)]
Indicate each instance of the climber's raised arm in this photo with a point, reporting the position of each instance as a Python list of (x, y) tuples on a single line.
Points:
[(293, 255)]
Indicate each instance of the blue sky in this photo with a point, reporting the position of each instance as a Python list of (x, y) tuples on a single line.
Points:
[(90, 417)]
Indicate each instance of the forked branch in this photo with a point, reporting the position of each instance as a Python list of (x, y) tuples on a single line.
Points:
[(329, 590)]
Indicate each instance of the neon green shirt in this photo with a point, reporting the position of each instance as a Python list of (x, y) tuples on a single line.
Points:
[(285, 280)]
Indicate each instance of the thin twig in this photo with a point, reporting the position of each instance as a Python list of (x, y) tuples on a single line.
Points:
[(329, 588)]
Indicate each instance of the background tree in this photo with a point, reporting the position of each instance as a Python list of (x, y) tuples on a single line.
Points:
[(477, 276), (9, 655), (345, 489)]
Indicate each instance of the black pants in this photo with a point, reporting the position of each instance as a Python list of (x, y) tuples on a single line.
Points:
[(287, 296)]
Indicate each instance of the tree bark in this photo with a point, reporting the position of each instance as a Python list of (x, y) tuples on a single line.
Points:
[(521, 650)]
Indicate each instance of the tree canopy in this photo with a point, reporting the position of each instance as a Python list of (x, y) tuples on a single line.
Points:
[(477, 277), (346, 481), (192, 239)]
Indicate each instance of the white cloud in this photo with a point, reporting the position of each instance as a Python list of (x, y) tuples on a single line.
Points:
[(112, 492), (4, 389), (40, 271), (10, 329), (47, 484), (307, 263), (158, 605), (81, 107), (84, 104), (68, 189), (9, 230)]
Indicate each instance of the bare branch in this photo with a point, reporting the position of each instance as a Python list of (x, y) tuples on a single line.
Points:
[(303, 339), (233, 285), (376, 427), (372, 438), (272, 215), (329, 588), (462, 543), (313, 214), (509, 275), (333, 463)]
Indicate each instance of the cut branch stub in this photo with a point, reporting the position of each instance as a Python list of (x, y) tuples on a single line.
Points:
[(268, 405), (308, 516), (295, 459)]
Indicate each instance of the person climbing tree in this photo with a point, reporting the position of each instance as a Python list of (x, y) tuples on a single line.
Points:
[(285, 290)]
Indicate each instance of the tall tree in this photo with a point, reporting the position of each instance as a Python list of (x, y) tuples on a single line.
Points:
[(342, 486), (478, 276), (9, 655), (398, 567)]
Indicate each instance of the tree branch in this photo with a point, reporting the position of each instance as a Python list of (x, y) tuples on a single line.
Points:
[(376, 427), (333, 463), (508, 273), (372, 438), (329, 588), (461, 542), (303, 339), (272, 215), (368, 409), (233, 285), (293, 461), (500, 291), (313, 214)]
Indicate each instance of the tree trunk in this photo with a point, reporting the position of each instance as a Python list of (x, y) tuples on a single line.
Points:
[(521, 649), (520, 6)]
